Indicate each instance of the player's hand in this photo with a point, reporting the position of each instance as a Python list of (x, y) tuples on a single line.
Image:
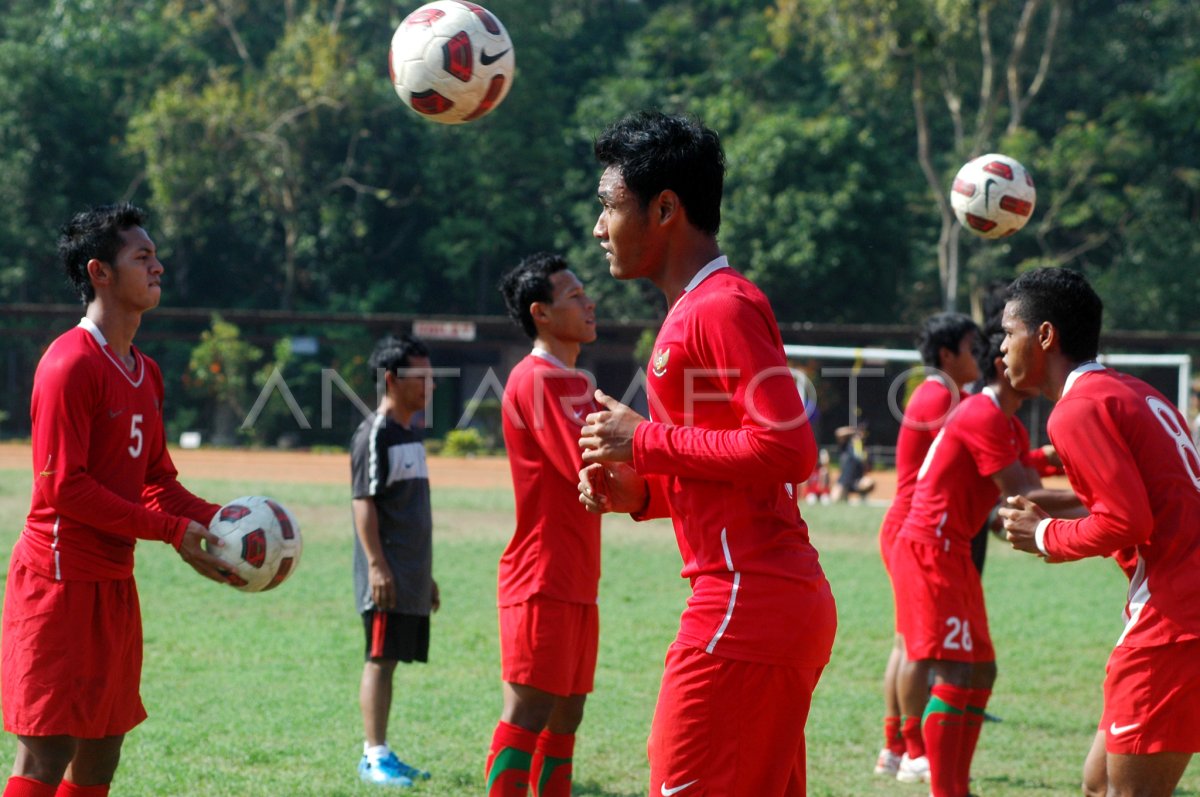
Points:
[(383, 586), (1021, 518), (193, 551), (607, 435), (612, 488), (437, 597)]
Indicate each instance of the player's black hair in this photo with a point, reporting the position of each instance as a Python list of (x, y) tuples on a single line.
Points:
[(942, 331), (529, 282), (395, 352), (94, 234), (654, 152), (1065, 299)]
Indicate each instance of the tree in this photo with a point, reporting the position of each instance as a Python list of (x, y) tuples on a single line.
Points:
[(982, 64)]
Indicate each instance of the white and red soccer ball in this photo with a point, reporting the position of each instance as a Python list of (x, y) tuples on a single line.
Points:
[(451, 61), (262, 542), (993, 196)]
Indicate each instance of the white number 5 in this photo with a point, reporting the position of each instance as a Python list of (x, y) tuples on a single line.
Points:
[(135, 434)]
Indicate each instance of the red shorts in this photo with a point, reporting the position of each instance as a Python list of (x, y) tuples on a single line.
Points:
[(1152, 699), (71, 656), (550, 645), (724, 726), (887, 541), (939, 603)]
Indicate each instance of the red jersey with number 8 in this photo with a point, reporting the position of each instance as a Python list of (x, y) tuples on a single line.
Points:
[(1130, 459)]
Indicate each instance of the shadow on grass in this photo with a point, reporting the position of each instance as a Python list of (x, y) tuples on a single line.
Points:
[(594, 789), (1029, 784)]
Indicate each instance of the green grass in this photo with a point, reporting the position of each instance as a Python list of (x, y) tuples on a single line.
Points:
[(258, 694)]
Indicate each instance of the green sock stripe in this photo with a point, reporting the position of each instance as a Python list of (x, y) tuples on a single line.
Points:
[(508, 759), (938, 706), (975, 710), (549, 764)]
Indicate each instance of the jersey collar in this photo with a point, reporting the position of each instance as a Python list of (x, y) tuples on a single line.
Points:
[(1080, 370), (542, 354), (135, 378), (704, 273)]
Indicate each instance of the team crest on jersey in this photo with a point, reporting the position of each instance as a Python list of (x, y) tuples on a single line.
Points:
[(659, 366)]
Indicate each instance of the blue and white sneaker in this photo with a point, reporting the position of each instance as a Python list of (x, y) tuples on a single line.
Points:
[(383, 772), (410, 772)]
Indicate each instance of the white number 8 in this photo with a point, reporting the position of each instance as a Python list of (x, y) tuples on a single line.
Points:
[(1183, 442)]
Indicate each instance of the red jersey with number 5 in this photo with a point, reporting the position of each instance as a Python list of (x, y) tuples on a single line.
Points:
[(1130, 459), (102, 476)]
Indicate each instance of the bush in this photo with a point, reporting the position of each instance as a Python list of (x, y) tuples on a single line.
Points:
[(464, 443)]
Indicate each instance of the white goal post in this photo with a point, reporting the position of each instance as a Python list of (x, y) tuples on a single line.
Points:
[(1181, 362)]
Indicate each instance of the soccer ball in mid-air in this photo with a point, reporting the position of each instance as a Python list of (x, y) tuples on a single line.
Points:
[(993, 196), (262, 542), (451, 61)]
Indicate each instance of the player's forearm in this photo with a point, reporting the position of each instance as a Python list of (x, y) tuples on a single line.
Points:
[(83, 499), (1059, 503), (173, 498), (366, 527), (746, 454), (1094, 535)]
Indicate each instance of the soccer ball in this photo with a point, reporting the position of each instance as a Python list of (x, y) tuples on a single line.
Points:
[(993, 196), (451, 61), (262, 542)]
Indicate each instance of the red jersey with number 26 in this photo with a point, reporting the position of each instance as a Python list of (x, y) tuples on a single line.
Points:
[(1131, 461), (728, 443), (102, 476), (955, 490)]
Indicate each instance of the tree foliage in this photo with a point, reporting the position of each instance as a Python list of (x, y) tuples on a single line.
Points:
[(282, 172)]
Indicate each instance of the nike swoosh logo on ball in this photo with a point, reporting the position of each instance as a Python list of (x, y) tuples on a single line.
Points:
[(488, 60)]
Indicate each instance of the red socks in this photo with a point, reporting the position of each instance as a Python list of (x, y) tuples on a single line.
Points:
[(550, 772), (68, 789), (893, 739), (944, 726), (18, 786), (977, 700), (508, 761), (914, 743)]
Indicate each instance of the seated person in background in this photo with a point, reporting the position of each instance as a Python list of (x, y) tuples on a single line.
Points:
[(852, 462)]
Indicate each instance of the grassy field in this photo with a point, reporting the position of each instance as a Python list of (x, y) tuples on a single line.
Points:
[(257, 694)]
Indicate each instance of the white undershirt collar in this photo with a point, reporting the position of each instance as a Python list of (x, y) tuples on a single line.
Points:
[(548, 357), (1080, 370), (716, 265)]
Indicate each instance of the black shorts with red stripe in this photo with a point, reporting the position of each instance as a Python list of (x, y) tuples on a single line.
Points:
[(396, 637)]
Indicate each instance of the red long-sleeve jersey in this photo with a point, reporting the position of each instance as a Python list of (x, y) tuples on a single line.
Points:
[(102, 477), (727, 443), (926, 413), (1130, 459), (555, 548)]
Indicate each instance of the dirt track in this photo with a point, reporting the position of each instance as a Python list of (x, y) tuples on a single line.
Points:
[(304, 467), (308, 467)]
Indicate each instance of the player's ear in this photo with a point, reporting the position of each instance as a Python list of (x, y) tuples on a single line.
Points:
[(99, 272), (539, 312), (665, 207), (1047, 336)]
